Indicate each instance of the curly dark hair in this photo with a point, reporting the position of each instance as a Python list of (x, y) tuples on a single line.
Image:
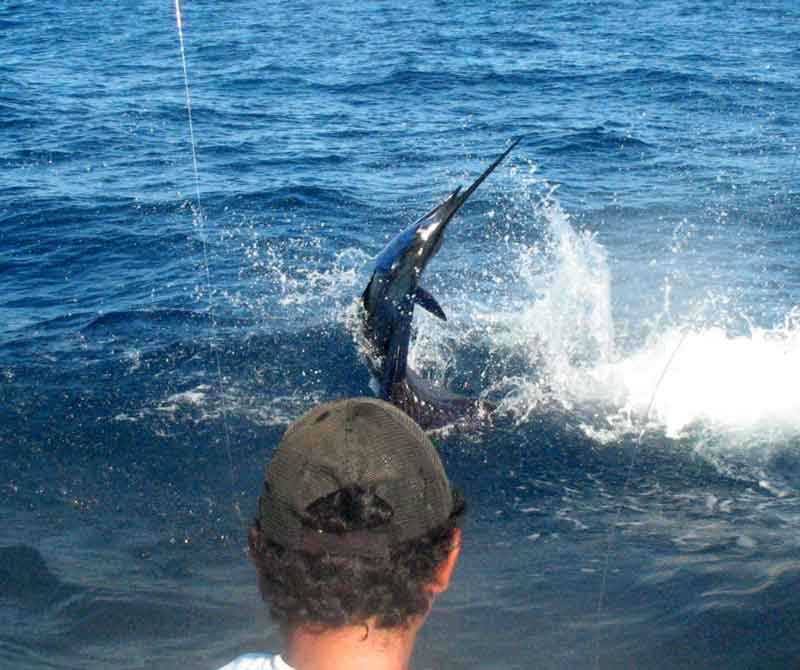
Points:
[(325, 591)]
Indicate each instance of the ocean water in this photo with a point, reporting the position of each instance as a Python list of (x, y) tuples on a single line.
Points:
[(626, 287)]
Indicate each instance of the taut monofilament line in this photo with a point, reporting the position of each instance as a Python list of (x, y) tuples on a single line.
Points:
[(628, 475), (199, 220), (188, 94)]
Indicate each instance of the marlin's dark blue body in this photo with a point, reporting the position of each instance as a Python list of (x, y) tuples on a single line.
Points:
[(389, 301)]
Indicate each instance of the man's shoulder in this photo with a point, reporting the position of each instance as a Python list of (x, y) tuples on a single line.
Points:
[(257, 662)]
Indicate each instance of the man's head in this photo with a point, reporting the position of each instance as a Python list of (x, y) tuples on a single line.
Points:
[(357, 520)]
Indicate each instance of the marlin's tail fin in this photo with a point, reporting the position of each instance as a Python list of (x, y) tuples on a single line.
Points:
[(434, 408)]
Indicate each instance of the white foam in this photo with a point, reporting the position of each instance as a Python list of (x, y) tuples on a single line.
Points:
[(732, 383), (195, 397)]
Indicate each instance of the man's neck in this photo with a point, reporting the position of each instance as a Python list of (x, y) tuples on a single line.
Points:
[(362, 647)]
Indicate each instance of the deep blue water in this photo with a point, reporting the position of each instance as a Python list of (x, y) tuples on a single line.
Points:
[(627, 287)]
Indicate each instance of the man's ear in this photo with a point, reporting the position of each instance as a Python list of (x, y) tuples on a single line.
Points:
[(445, 572)]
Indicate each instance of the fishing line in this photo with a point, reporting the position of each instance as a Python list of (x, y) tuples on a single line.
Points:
[(628, 476), (199, 219)]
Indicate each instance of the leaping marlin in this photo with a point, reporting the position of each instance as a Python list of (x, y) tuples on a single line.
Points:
[(389, 301)]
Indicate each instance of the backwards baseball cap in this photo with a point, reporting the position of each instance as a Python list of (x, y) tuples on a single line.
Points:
[(361, 442)]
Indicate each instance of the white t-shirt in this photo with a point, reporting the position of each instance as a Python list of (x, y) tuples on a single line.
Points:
[(257, 662)]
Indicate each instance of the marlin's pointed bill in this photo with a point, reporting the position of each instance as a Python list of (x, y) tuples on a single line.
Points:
[(389, 300)]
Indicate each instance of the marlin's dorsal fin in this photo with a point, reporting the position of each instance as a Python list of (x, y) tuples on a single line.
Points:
[(427, 301)]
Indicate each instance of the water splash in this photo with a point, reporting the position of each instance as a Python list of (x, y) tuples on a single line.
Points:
[(736, 384), (550, 344), (312, 290), (568, 325)]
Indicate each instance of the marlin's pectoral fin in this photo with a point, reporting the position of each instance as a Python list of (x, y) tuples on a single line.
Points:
[(427, 301)]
